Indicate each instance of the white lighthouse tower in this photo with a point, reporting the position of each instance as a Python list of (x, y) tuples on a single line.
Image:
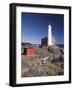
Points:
[(49, 35)]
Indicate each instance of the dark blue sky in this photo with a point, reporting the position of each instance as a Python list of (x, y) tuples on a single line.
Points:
[(35, 26)]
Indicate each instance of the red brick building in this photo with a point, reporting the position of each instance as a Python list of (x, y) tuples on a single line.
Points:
[(29, 51)]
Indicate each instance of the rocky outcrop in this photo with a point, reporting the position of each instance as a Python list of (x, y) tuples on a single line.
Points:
[(48, 63), (57, 53)]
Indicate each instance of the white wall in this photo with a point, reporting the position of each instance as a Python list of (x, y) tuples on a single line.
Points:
[(4, 45)]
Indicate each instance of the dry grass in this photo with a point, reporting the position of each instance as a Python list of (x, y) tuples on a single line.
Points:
[(33, 66)]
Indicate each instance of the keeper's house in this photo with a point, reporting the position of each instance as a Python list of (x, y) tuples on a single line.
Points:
[(28, 51)]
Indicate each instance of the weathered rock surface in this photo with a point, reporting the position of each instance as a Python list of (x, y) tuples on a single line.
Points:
[(49, 63), (58, 53)]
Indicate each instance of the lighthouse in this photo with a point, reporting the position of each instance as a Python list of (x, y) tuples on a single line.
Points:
[(49, 35)]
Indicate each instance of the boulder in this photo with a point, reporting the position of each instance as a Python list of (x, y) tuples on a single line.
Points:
[(53, 49), (50, 57), (57, 53)]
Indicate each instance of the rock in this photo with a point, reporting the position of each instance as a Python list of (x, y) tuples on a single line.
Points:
[(53, 49), (57, 53), (49, 61), (62, 57), (62, 50), (50, 57)]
